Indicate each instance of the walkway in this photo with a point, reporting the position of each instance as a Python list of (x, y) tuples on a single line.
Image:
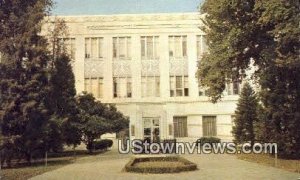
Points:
[(109, 166)]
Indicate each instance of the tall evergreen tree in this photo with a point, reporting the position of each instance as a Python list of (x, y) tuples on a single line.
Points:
[(62, 101), (266, 35), (24, 77), (245, 116)]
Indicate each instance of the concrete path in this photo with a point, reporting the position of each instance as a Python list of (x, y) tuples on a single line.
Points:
[(109, 166)]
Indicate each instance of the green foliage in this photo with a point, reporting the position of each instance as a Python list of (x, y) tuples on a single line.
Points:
[(208, 140), (263, 34), (100, 145), (97, 119), (24, 75), (159, 165), (245, 116)]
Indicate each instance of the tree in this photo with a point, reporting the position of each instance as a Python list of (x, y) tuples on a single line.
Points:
[(98, 119), (245, 116), (264, 34), (24, 80)]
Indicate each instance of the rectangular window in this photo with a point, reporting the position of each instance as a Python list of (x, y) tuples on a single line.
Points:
[(94, 86), (209, 126), (179, 86), (233, 88), (122, 87), (151, 86), (93, 48), (180, 126), (67, 45), (149, 47), (177, 46), (122, 47), (201, 46), (132, 128), (170, 129)]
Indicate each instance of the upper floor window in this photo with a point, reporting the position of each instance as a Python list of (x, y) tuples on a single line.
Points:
[(179, 86), (122, 87), (177, 46), (94, 47), (149, 47), (122, 47), (67, 45), (233, 88), (201, 46)]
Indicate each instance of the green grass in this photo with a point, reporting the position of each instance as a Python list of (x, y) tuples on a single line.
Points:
[(265, 159), (55, 161)]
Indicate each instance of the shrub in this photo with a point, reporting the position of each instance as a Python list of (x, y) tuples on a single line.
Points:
[(100, 144), (209, 140), (184, 165)]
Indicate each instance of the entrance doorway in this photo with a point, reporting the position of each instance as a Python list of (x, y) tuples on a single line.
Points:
[(151, 129)]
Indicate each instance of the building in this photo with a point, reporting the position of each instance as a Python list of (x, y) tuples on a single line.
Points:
[(146, 65)]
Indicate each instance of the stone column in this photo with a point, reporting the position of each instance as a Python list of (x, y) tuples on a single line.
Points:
[(192, 64), (79, 63), (164, 64), (108, 69), (136, 65)]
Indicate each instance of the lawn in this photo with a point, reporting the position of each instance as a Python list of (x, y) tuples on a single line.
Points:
[(55, 161), (265, 159)]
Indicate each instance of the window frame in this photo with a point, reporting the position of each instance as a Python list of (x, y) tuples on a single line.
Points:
[(180, 129)]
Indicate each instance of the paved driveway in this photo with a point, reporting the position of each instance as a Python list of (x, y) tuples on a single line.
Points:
[(109, 166)]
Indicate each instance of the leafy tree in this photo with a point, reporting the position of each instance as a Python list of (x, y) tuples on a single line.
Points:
[(98, 119), (245, 116), (264, 34)]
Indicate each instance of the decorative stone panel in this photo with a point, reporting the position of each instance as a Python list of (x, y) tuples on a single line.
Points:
[(150, 68), (122, 68), (93, 68), (179, 67)]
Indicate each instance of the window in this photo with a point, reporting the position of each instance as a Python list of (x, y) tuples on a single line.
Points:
[(179, 86), (122, 47), (132, 129), (94, 86), (203, 91), (180, 126), (170, 129), (233, 88), (67, 45), (122, 87), (94, 47), (149, 47), (150, 86), (209, 126), (177, 46)]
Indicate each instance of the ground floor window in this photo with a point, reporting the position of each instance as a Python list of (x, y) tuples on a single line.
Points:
[(180, 126), (209, 125)]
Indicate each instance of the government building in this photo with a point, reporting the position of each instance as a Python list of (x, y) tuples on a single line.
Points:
[(146, 64)]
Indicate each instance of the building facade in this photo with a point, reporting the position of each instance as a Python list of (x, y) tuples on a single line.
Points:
[(146, 64)]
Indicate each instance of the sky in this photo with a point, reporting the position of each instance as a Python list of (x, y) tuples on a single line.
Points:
[(98, 7)]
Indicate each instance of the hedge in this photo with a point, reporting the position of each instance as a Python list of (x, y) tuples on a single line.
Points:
[(208, 140), (102, 144)]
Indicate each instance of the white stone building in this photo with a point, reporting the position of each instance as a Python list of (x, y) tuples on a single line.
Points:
[(146, 65)]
